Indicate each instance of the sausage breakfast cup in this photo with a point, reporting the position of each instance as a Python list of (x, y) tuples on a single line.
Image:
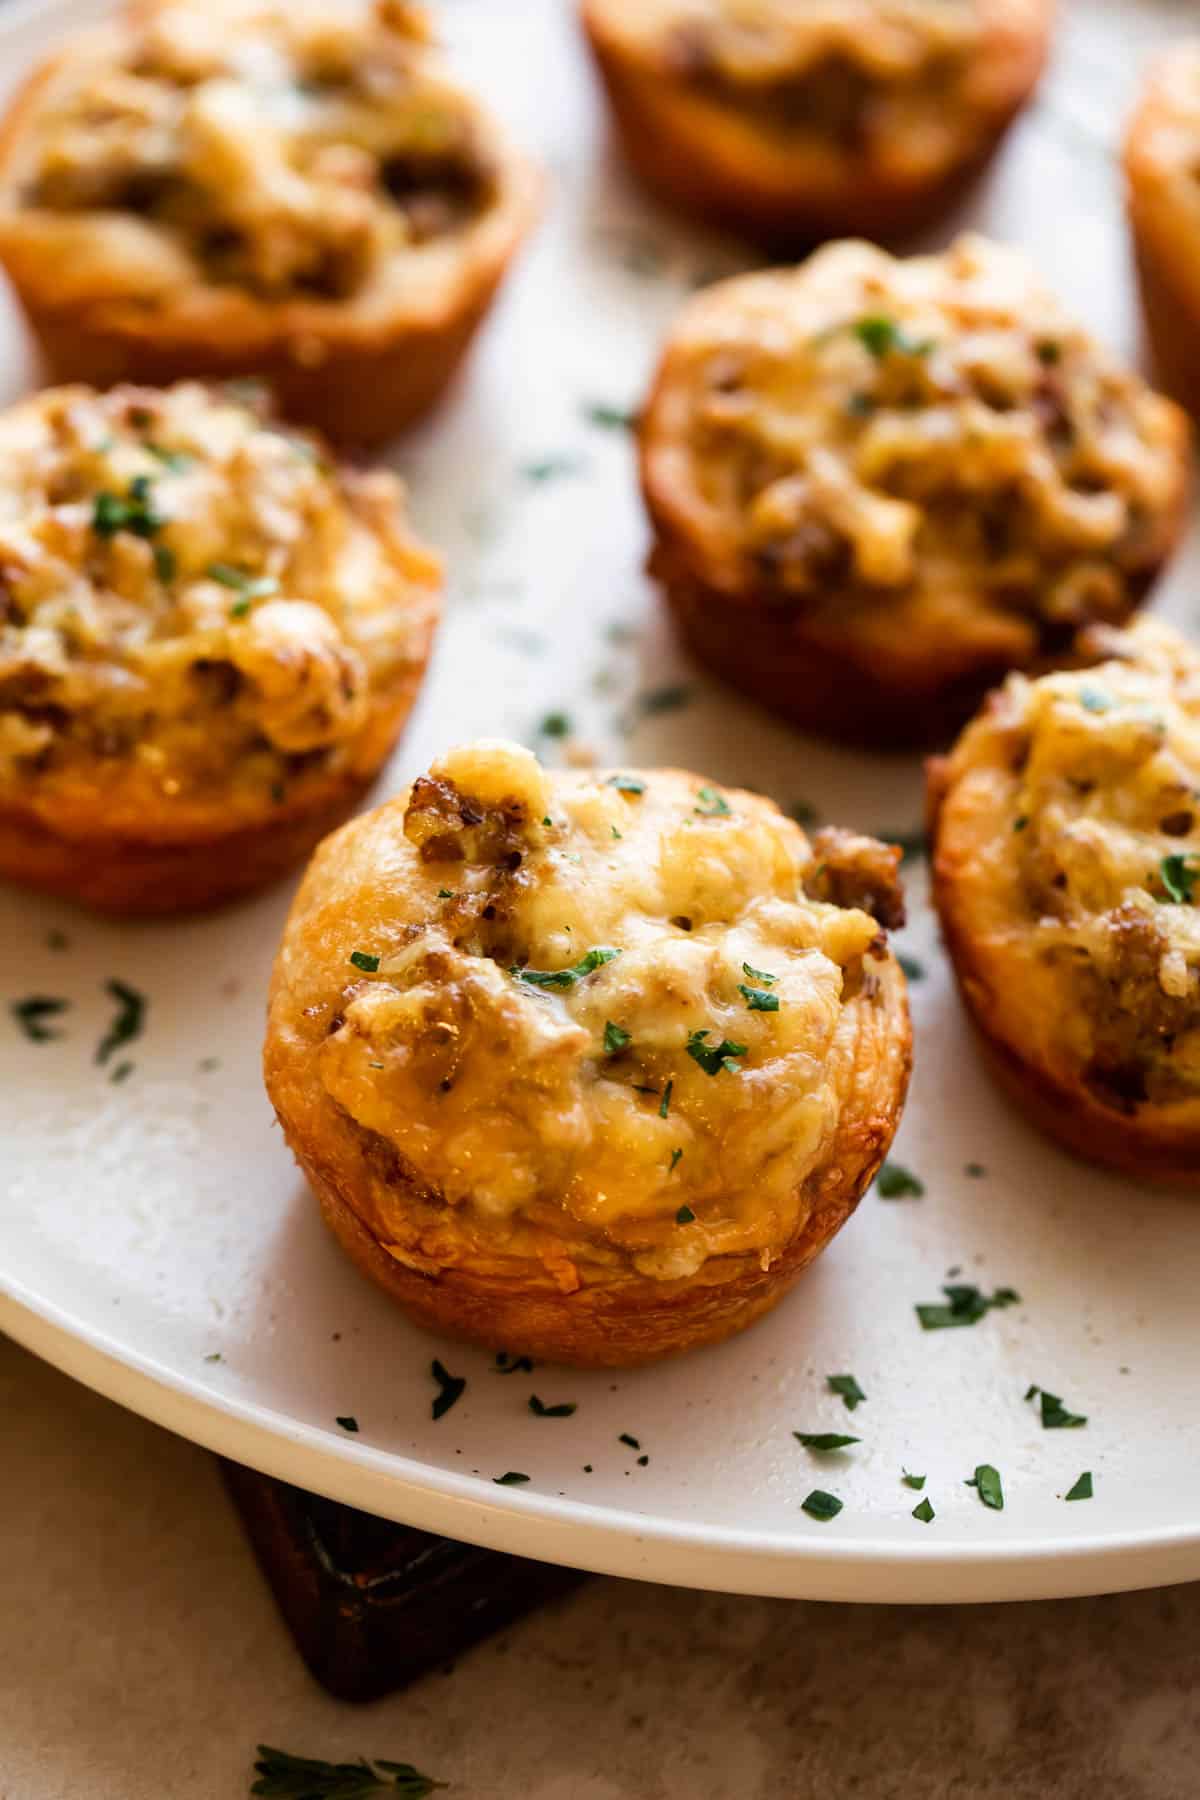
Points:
[(877, 485), (1162, 180), (793, 123), (252, 187), (587, 1066), (1066, 856), (210, 636)]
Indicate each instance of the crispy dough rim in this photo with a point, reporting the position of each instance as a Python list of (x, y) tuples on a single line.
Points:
[(613, 1319), (1147, 1144), (696, 154), (359, 377)]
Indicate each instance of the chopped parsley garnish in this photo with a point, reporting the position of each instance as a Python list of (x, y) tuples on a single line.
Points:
[(820, 1505), (643, 1461), (249, 587), (627, 784), (445, 893), (282, 1776), (555, 725), (685, 1215), (914, 970), (135, 513), (1094, 699), (881, 336), (1021, 822), (178, 461), (923, 1511), (166, 564), (757, 999), (57, 940), (1055, 1416), (759, 975), (127, 1021), (540, 1410), (804, 812), (1048, 352), (33, 1015), (715, 1057), (615, 1039), (713, 805), (625, 1438), (965, 1305), (511, 1478), (1082, 1489), (663, 699), (450, 1388), (121, 1073), (824, 1440), (566, 978), (362, 959), (515, 1366), (895, 1182), (1179, 876), (664, 1105), (974, 1170), (676, 1159), (987, 1480), (848, 1388), (347, 1422), (551, 468), (609, 418), (912, 1481)]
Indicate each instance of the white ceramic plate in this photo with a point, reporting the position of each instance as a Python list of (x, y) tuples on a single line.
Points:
[(157, 1243)]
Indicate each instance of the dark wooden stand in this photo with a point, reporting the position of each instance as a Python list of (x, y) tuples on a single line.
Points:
[(372, 1605)]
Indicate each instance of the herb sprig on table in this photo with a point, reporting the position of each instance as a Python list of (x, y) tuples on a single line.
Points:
[(282, 1776)]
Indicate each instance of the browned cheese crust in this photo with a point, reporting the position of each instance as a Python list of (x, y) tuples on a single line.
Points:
[(1065, 831), (220, 188), (877, 485), (1162, 185), (211, 635), (797, 123), (587, 1067)]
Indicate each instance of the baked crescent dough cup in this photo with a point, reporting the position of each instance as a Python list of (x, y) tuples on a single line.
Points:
[(248, 187), (210, 637), (1162, 185), (795, 123), (587, 1067), (878, 484), (1065, 830)]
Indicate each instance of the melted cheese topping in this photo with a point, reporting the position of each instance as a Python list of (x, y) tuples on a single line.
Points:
[(288, 147), (1100, 828), (931, 436), (191, 596), (597, 1001)]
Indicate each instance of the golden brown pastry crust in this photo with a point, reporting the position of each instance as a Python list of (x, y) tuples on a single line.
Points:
[(359, 368), (155, 752), (1036, 1025), (696, 152), (557, 1289), (1162, 151), (904, 656)]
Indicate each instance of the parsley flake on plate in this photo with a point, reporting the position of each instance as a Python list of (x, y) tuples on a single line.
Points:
[(610, 418), (451, 1388), (912, 1481), (1055, 1416), (845, 1385), (914, 970), (965, 1305), (820, 1505), (895, 1182), (824, 1440), (626, 1438), (923, 1511), (506, 1365), (127, 1021), (986, 1480), (34, 1013), (347, 1421), (1082, 1489), (510, 1478), (540, 1410)]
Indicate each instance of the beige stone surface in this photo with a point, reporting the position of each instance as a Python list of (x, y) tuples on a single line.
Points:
[(141, 1659)]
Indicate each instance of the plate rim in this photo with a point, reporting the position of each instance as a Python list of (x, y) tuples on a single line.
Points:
[(605, 1540)]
